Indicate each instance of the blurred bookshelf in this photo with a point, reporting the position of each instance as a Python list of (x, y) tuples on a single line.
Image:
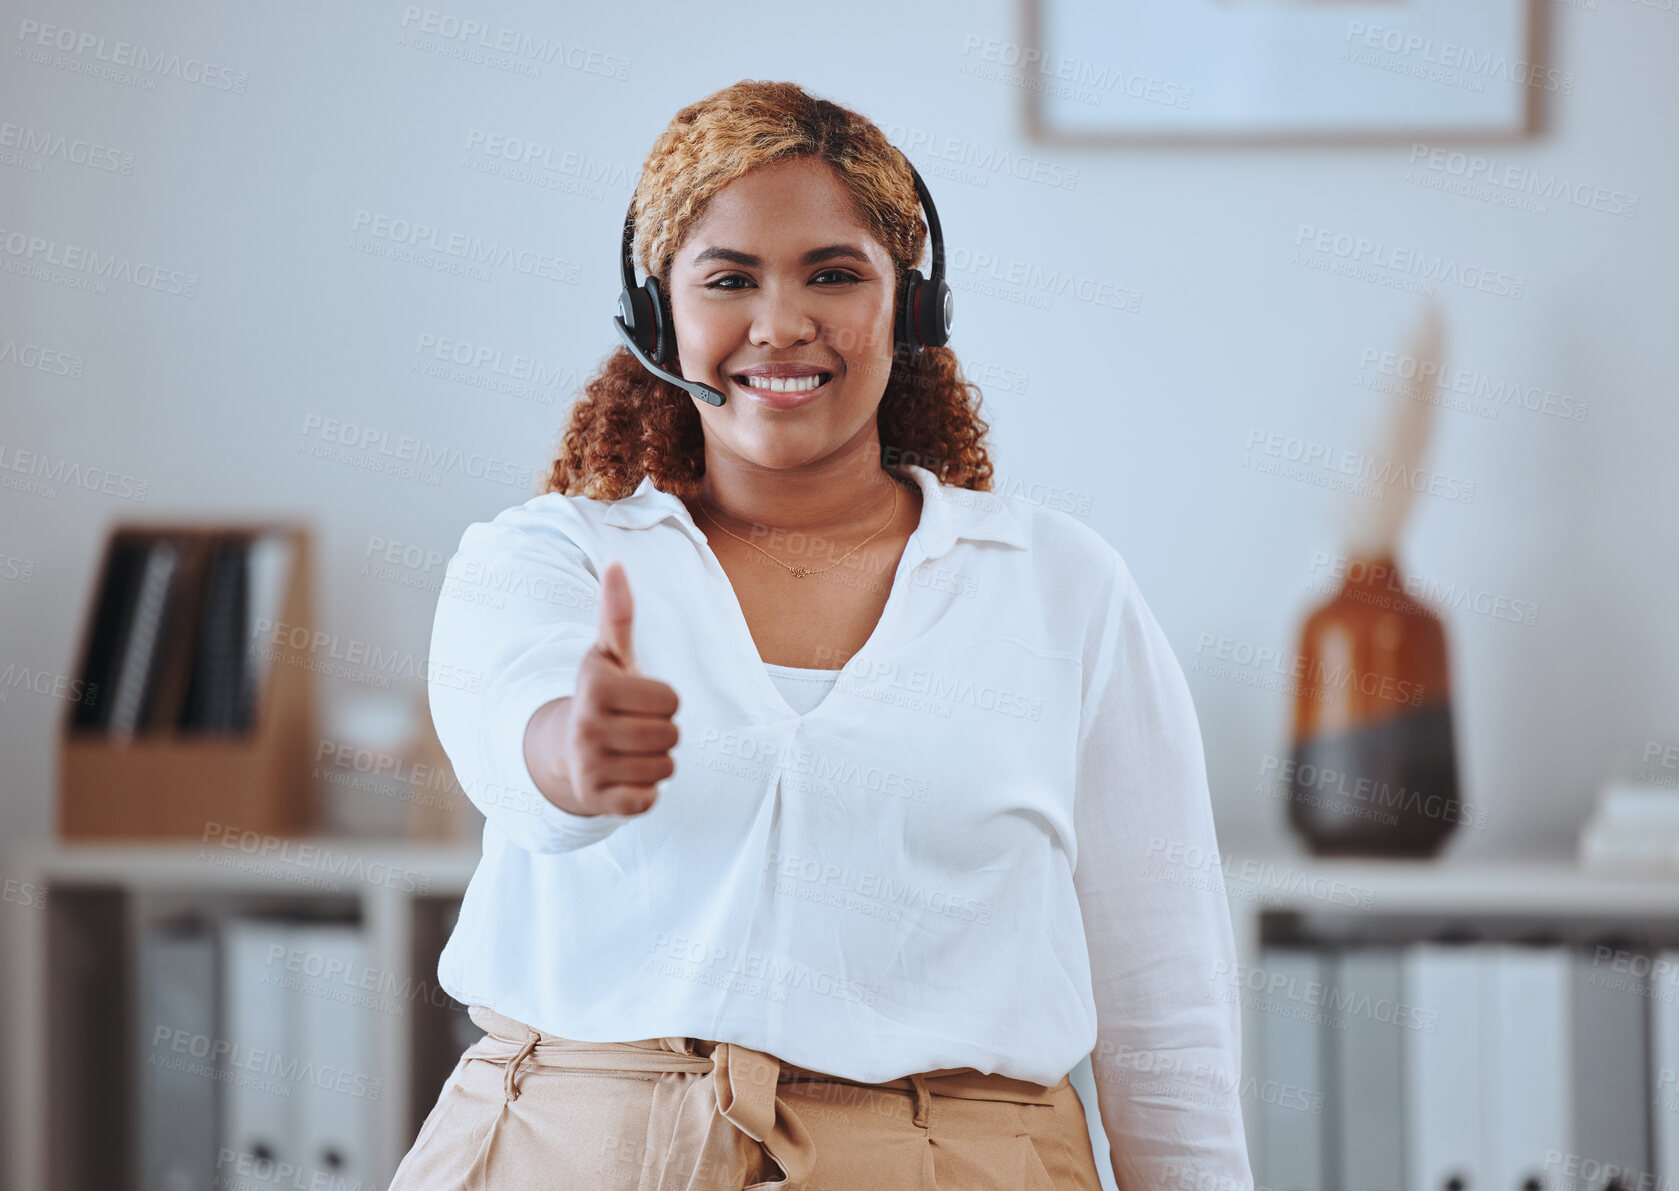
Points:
[(1456, 1024), (81, 1091), (133, 977)]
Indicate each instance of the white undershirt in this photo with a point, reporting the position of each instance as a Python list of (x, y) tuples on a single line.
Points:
[(803, 689)]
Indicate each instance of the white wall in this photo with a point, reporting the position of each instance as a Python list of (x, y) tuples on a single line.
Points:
[(207, 399)]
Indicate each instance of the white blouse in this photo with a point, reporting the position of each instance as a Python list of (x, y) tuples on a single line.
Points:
[(986, 843)]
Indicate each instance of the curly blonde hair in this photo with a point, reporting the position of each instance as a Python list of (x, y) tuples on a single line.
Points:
[(628, 423)]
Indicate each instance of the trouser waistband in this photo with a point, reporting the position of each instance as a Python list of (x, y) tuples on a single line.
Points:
[(746, 1081)]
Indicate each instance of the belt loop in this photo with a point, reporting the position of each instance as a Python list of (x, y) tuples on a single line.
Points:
[(510, 1089), (923, 1102)]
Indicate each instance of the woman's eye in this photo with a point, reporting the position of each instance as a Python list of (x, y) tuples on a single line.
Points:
[(842, 275)]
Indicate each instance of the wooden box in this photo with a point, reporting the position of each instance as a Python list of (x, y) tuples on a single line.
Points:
[(196, 707)]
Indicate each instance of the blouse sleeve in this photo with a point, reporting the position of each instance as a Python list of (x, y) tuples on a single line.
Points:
[(517, 612), (1168, 1053)]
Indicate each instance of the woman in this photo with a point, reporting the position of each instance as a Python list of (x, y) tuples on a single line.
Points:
[(824, 858)]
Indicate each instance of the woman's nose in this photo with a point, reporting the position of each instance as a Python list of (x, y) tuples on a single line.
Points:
[(782, 319)]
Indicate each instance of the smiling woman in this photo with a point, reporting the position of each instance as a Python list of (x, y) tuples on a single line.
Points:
[(751, 196), (824, 860)]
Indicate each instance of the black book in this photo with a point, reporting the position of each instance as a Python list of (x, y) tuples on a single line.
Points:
[(141, 653), (124, 565), (218, 697)]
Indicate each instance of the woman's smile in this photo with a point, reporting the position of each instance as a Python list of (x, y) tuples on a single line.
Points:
[(783, 388)]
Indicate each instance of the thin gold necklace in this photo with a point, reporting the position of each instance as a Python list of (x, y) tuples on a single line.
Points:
[(801, 572)]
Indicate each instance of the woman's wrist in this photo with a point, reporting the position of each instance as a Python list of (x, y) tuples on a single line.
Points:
[(545, 755)]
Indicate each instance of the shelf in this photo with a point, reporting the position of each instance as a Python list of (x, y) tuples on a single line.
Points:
[(1472, 885), (304, 865)]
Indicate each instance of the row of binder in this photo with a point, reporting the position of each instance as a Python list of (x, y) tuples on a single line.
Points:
[(175, 641), (1495, 1066), (263, 1075)]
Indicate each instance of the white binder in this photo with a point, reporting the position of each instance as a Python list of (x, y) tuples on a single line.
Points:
[(335, 1027), (258, 1089), (176, 982), (1443, 1118), (1664, 1067), (1368, 1063), (1527, 1075), (1291, 1054), (1611, 1044)]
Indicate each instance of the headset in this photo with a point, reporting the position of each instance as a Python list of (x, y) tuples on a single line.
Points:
[(645, 324)]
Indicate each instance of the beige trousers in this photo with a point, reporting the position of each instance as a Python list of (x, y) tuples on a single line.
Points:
[(526, 1109)]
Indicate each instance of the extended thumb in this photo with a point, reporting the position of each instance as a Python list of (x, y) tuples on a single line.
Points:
[(617, 613)]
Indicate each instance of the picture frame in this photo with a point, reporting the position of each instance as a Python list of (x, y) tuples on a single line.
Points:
[(1234, 72)]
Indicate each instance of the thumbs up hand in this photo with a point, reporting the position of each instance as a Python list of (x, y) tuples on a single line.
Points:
[(620, 732)]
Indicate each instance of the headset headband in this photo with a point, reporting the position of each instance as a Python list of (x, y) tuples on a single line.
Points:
[(627, 256)]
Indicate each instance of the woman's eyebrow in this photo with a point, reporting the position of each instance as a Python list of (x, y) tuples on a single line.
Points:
[(814, 256)]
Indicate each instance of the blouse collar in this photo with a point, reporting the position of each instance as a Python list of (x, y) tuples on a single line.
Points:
[(947, 513)]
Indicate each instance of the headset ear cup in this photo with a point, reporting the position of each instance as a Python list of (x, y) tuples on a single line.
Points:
[(661, 346), (908, 334), (633, 309), (933, 313)]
